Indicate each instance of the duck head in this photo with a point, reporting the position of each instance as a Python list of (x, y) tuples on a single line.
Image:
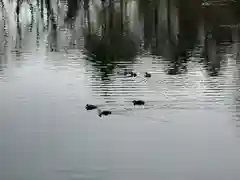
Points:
[(99, 113)]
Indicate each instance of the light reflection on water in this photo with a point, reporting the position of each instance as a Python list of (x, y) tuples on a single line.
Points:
[(188, 128)]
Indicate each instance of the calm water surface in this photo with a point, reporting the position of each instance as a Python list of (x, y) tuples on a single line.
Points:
[(187, 130)]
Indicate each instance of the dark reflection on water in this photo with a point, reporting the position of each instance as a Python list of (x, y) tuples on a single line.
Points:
[(58, 58)]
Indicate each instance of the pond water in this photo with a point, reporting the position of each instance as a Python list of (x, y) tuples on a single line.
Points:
[(188, 128)]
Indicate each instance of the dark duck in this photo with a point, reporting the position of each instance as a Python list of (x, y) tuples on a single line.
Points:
[(90, 107), (138, 102), (133, 74), (104, 113), (147, 75), (130, 73)]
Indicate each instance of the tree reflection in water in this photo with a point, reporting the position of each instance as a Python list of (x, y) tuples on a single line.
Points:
[(112, 42), (113, 45)]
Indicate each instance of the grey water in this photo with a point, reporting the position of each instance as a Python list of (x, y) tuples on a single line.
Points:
[(187, 130)]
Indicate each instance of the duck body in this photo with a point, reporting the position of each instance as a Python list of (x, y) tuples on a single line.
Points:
[(138, 102), (130, 73), (104, 113), (90, 107), (147, 75), (133, 74)]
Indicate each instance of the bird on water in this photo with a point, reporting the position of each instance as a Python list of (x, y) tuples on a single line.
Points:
[(90, 107), (130, 73), (147, 75), (133, 74), (104, 113), (138, 102)]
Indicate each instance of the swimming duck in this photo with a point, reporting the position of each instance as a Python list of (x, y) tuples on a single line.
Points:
[(90, 107), (104, 113), (147, 75), (138, 102), (132, 74)]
